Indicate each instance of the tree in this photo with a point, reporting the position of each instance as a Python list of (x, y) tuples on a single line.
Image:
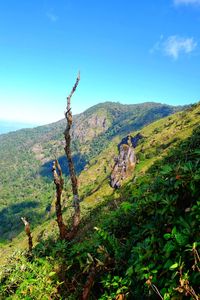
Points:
[(58, 180)]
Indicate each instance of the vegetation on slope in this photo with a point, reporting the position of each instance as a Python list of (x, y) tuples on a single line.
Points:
[(26, 158), (140, 242)]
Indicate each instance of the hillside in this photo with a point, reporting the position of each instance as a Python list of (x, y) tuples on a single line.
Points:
[(141, 240), (26, 157), (166, 177)]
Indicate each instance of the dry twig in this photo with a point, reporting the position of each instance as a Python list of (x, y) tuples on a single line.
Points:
[(28, 233)]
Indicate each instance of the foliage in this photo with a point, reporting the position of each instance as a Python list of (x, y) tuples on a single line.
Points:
[(161, 224), (146, 240), (26, 157), (30, 278)]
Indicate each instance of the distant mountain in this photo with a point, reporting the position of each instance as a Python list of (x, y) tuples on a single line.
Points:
[(26, 156), (8, 126)]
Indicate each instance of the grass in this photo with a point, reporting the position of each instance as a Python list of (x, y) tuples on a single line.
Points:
[(94, 180)]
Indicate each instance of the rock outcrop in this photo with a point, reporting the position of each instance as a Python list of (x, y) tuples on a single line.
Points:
[(126, 160), (90, 127)]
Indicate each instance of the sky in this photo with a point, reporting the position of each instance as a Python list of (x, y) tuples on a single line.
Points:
[(128, 51)]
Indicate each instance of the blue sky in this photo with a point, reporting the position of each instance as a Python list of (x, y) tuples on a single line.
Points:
[(127, 51)]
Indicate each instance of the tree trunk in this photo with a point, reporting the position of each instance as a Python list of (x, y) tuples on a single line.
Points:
[(58, 180), (74, 182)]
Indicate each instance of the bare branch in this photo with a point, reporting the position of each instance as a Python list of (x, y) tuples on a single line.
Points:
[(72, 92), (74, 182), (58, 180), (28, 233)]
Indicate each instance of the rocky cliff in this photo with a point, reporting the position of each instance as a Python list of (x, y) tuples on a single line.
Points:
[(126, 160), (87, 128)]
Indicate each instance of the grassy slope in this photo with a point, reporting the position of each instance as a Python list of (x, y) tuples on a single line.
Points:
[(26, 158), (100, 200), (159, 137)]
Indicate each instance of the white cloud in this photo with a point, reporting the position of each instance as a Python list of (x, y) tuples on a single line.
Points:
[(52, 17), (174, 46), (186, 2)]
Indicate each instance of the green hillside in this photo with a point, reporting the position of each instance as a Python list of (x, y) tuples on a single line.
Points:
[(137, 242), (26, 157)]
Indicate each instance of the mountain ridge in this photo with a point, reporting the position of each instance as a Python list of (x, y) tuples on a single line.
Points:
[(26, 155)]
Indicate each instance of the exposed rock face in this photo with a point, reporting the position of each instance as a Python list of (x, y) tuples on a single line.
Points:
[(39, 155), (124, 163), (91, 126)]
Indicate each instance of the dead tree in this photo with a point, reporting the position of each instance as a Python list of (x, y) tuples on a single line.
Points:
[(74, 182), (65, 233), (28, 233), (58, 180)]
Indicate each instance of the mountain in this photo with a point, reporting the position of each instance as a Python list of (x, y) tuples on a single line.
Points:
[(135, 241), (26, 156)]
